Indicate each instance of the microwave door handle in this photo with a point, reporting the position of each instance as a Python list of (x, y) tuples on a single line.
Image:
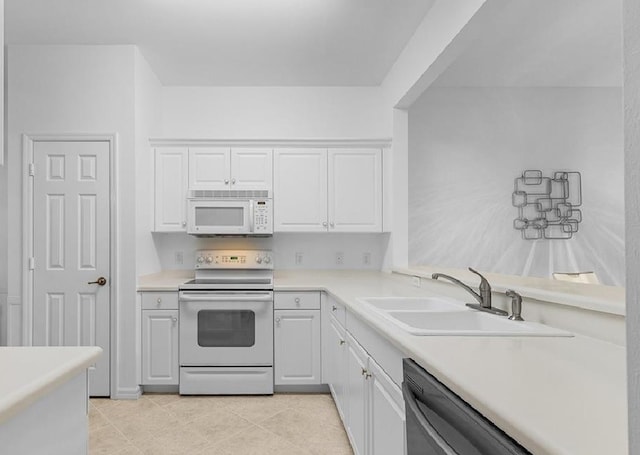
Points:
[(251, 220), (410, 402)]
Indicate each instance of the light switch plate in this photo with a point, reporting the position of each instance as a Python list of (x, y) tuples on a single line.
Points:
[(416, 281)]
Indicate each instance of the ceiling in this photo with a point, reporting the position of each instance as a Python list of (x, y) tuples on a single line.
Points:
[(234, 42), (544, 43)]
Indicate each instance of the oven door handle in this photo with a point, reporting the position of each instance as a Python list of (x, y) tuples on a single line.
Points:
[(226, 298)]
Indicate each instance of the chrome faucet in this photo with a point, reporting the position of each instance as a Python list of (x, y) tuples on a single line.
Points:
[(483, 297)]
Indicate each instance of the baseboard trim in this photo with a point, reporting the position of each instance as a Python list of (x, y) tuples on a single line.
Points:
[(312, 388), (129, 393)]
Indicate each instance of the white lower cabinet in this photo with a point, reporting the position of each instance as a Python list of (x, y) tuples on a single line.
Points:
[(356, 396), (160, 365), (368, 400), (386, 411), (297, 351)]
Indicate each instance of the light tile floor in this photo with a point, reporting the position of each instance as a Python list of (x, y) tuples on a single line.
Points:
[(161, 424)]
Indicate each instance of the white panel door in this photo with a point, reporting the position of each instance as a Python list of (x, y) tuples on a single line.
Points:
[(297, 347), (356, 391), (252, 169), (71, 247), (209, 168), (386, 409), (300, 190), (355, 190), (160, 363), (171, 189)]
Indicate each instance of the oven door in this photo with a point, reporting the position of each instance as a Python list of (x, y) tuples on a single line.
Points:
[(226, 328), (212, 216)]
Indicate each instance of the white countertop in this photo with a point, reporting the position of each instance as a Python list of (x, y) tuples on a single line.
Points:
[(29, 373), (596, 297), (553, 395)]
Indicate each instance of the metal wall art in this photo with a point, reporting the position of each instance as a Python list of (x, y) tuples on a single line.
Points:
[(547, 206)]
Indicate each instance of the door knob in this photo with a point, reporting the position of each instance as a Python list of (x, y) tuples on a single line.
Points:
[(100, 281)]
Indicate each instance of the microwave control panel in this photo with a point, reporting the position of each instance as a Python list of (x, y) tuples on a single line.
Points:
[(262, 219)]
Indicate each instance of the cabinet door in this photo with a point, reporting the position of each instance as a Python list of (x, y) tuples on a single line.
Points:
[(356, 391), (386, 410), (337, 366), (252, 169), (209, 168), (160, 347), (297, 347), (355, 190), (171, 189), (300, 190)]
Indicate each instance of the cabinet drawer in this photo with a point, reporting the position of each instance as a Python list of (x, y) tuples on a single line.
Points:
[(159, 300), (297, 301), (338, 311)]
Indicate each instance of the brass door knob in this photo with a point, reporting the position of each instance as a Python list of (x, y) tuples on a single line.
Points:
[(100, 281)]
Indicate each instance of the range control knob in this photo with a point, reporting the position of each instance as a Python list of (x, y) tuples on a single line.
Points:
[(267, 259), (200, 259), (209, 259), (258, 259)]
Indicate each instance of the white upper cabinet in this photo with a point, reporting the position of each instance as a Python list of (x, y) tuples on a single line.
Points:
[(355, 190), (300, 190), (222, 168), (171, 189), (209, 168), (251, 169), (335, 190)]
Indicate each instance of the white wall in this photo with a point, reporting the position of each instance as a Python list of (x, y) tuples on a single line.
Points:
[(78, 89), (466, 147), (148, 117), (275, 112), (632, 193), (318, 250)]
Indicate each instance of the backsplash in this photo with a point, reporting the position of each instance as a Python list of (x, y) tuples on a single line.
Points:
[(291, 250), (466, 147)]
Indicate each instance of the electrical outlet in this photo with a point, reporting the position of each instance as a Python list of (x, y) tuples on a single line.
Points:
[(299, 257), (366, 258), (416, 281), (179, 257), (339, 258)]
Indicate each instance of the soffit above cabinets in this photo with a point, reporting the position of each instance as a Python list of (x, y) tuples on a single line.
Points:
[(234, 42)]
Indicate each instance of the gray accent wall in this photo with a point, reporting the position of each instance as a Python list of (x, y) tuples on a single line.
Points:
[(466, 146)]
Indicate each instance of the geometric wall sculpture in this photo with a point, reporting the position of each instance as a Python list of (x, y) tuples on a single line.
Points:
[(548, 207)]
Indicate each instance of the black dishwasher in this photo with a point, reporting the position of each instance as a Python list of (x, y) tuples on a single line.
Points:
[(440, 423)]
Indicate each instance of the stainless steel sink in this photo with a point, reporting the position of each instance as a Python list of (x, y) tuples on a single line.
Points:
[(434, 316)]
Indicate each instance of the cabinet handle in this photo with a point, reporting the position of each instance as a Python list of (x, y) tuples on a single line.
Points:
[(159, 300), (341, 342), (226, 181), (174, 319), (278, 322), (332, 224), (364, 371), (297, 300), (324, 223), (233, 181), (184, 223), (334, 308)]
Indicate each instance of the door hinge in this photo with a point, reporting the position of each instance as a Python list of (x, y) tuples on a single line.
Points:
[(32, 169), (32, 263)]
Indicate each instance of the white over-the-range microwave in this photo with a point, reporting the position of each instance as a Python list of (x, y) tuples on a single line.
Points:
[(229, 212)]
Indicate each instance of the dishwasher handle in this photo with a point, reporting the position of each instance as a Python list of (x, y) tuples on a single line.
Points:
[(432, 433), (265, 297)]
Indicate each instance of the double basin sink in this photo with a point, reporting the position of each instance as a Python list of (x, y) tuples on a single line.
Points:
[(432, 316)]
